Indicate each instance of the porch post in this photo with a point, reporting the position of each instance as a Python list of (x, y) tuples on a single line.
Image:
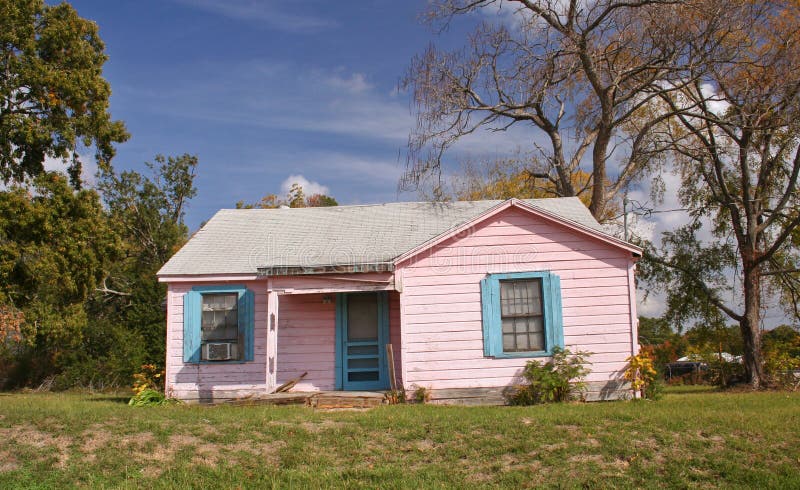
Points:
[(272, 338)]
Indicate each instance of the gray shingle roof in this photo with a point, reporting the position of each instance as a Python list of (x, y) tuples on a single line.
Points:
[(239, 241)]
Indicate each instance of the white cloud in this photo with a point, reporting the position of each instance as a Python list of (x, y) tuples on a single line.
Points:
[(356, 83), (271, 14), (309, 187), (714, 100)]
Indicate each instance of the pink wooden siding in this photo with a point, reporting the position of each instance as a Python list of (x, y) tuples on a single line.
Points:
[(442, 329), (306, 338), (190, 381)]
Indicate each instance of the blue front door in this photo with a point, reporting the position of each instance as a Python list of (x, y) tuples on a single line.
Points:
[(362, 332)]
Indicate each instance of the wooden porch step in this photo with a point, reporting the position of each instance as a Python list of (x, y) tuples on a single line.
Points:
[(274, 399), (347, 399), (318, 399)]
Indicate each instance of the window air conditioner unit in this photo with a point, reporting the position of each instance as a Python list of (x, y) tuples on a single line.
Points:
[(220, 351)]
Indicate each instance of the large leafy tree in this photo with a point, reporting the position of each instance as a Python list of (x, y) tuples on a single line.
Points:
[(573, 73), (148, 211), (735, 137), (56, 245), (53, 96)]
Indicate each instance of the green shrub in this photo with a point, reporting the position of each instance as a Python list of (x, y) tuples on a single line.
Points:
[(780, 368), (557, 380), (655, 389), (396, 397), (150, 398), (108, 358), (422, 394)]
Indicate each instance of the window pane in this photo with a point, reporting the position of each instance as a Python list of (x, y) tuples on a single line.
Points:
[(362, 317), (363, 376), (362, 363), (536, 341), (506, 298), (361, 350), (536, 324), (521, 297), (508, 325), (522, 342), (220, 318), (508, 342)]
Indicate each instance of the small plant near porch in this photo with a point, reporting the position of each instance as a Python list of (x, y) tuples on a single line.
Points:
[(558, 380), (643, 376), (422, 394)]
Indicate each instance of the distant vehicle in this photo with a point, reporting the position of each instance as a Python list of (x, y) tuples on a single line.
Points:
[(682, 368)]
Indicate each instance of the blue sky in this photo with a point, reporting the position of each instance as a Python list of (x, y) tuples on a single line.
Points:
[(263, 90), (267, 92)]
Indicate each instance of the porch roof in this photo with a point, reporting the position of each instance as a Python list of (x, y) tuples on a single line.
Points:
[(271, 241)]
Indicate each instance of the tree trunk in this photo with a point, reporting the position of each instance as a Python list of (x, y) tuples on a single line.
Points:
[(565, 186), (598, 205), (750, 325)]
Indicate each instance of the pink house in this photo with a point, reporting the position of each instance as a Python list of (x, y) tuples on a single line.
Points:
[(465, 292)]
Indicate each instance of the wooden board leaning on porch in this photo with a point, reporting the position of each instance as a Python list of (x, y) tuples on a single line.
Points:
[(390, 360)]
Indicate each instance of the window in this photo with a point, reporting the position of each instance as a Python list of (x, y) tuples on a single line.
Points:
[(521, 314), (219, 327), (218, 324)]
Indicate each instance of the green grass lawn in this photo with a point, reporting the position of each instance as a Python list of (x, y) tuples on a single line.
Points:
[(690, 438)]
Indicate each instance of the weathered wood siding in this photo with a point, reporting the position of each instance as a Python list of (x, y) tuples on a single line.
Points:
[(306, 338), (214, 381), (442, 329)]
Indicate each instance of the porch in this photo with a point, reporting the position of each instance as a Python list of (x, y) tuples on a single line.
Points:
[(336, 329)]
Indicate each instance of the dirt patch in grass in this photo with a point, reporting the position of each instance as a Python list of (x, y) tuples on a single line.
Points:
[(712, 438), (586, 458), (140, 442), (315, 427), (425, 445), (554, 447), (589, 442), (95, 439), (509, 462), (31, 436), (8, 462)]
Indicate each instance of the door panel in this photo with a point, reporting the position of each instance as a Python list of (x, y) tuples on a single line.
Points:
[(362, 330)]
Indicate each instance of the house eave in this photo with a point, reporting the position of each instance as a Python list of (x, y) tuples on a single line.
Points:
[(303, 270)]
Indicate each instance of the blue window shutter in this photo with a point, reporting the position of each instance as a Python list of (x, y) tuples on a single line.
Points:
[(490, 310), (247, 322), (553, 317), (192, 316)]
